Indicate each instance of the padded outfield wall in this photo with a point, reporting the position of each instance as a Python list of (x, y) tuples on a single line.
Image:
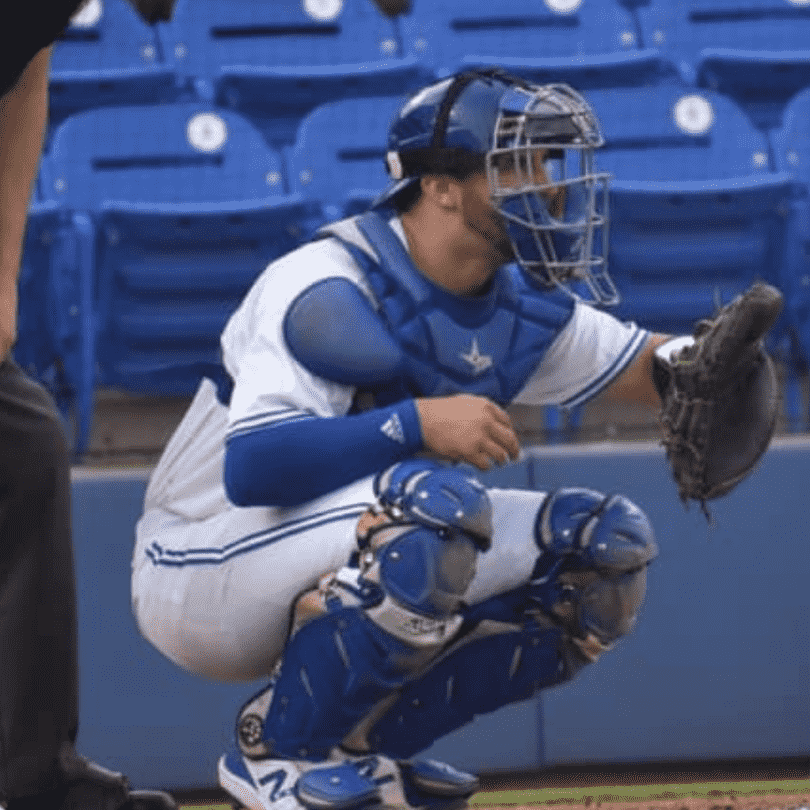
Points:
[(717, 668)]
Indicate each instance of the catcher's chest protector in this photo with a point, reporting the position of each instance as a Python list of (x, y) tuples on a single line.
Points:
[(443, 344)]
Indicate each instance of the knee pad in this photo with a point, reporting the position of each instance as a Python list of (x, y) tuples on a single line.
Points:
[(606, 531), (592, 572), (424, 559), (443, 498)]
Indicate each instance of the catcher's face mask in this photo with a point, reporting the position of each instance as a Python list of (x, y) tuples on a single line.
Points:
[(543, 181)]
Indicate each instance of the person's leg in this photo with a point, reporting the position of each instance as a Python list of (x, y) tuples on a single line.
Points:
[(38, 635), (215, 596), (39, 767), (356, 639)]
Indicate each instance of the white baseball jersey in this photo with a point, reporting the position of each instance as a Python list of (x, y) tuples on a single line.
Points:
[(213, 583)]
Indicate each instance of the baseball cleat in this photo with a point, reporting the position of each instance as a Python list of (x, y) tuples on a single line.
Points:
[(343, 783)]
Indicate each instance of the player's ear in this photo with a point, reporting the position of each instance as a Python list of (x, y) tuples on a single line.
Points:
[(442, 190)]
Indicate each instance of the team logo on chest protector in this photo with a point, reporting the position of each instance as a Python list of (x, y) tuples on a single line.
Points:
[(479, 362)]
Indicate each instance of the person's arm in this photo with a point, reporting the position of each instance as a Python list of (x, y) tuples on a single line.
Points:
[(23, 114), (298, 457), (635, 383)]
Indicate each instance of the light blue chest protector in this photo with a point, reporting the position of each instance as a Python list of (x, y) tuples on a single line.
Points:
[(422, 340)]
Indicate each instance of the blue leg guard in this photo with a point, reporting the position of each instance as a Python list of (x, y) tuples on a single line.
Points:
[(335, 670), (584, 594), (478, 677)]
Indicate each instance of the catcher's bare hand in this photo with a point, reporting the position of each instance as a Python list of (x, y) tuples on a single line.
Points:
[(468, 428)]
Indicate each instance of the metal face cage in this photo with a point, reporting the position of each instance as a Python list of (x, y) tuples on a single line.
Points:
[(543, 180)]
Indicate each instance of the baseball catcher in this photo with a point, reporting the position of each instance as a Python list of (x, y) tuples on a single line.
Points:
[(719, 396), (308, 521)]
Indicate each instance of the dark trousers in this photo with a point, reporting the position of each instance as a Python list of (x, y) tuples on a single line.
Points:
[(38, 632)]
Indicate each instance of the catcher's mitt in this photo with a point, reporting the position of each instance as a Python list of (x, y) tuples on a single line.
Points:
[(720, 397)]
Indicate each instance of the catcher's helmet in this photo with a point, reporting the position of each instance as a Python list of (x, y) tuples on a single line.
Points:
[(490, 121)]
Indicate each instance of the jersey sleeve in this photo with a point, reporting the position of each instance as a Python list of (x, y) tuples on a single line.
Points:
[(270, 386), (592, 350)]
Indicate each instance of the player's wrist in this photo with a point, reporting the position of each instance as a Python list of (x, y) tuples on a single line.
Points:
[(664, 359), (667, 350), (408, 415)]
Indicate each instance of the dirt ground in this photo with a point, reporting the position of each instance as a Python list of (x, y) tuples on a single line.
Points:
[(772, 801), (663, 774), (721, 801)]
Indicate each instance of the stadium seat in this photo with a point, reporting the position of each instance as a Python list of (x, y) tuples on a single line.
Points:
[(757, 51), (343, 166), (587, 43), (792, 152), (696, 215), (107, 55), (49, 338), (275, 61), (174, 210)]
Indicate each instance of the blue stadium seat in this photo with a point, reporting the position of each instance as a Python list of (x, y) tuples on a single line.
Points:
[(757, 51), (174, 211), (50, 342), (343, 165), (696, 214), (275, 61), (107, 55), (587, 43), (792, 152)]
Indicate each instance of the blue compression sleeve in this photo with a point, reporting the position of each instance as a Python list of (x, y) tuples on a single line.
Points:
[(289, 464)]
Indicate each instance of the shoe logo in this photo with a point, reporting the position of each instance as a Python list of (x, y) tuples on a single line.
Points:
[(366, 767), (393, 429), (479, 362), (277, 780)]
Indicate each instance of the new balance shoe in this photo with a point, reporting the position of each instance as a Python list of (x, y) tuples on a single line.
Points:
[(343, 782)]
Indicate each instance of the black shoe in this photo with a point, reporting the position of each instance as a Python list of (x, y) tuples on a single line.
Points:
[(88, 786), (149, 800)]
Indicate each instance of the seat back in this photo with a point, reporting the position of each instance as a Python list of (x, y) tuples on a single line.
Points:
[(275, 61), (672, 133), (344, 166), (757, 51), (585, 42), (695, 212), (190, 152), (107, 55), (207, 35)]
